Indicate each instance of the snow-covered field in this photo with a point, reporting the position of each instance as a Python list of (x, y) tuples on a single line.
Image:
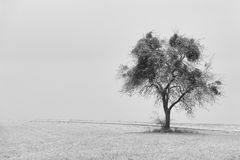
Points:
[(84, 141)]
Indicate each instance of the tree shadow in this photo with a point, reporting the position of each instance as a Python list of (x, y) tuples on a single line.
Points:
[(173, 130)]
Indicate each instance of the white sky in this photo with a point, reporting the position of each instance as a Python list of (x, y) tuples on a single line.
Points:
[(59, 58)]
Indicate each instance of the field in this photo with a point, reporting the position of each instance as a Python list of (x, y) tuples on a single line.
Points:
[(83, 141)]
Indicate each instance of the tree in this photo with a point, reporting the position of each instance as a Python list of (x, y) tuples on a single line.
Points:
[(173, 71)]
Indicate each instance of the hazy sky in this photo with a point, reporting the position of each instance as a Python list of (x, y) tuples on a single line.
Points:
[(59, 58)]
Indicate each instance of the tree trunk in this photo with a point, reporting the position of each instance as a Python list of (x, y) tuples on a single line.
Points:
[(167, 120)]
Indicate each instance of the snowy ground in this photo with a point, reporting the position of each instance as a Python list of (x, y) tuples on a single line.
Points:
[(83, 141)]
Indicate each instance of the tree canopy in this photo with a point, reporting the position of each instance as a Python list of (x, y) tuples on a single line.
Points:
[(173, 71)]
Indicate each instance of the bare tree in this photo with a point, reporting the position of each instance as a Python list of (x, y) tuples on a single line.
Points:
[(173, 71)]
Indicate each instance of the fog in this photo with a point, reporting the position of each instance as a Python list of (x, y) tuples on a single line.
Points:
[(59, 58)]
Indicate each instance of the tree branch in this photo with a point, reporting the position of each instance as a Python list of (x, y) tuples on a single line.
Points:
[(179, 99), (159, 86), (173, 78), (176, 87), (168, 85)]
